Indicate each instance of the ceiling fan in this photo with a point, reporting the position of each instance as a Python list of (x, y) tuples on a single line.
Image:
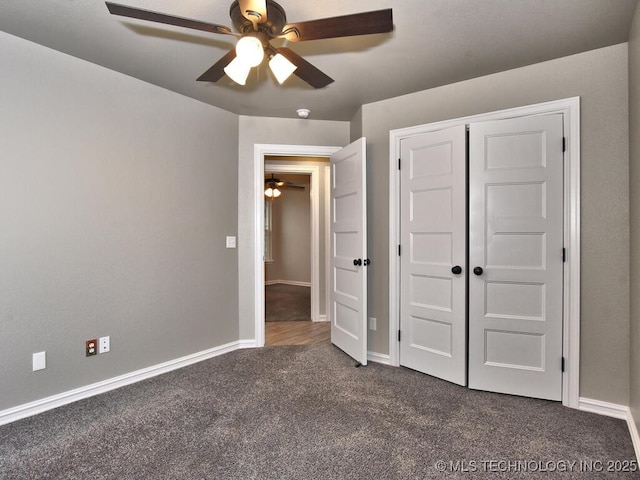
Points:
[(273, 186), (260, 21)]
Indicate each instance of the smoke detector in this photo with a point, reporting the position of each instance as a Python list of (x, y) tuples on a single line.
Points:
[(303, 112)]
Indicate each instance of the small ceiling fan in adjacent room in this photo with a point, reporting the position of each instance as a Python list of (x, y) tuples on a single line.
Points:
[(273, 186), (260, 21)]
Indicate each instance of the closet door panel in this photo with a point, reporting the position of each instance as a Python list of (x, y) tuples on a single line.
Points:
[(516, 254), (433, 241)]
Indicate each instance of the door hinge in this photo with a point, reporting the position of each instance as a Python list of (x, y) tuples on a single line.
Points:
[(564, 144), (562, 364), (399, 251), (398, 335), (564, 255), (399, 163)]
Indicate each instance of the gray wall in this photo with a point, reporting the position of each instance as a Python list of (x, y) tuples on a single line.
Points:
[(600, 78), (291, 222), (112, 222), (634, 163), (356, 125), (266, 130)]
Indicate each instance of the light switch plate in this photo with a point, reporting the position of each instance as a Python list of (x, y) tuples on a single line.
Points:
[(39, 361), (231, 242)]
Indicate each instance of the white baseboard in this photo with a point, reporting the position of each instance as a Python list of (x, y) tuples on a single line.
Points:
[(378, 358), (288, 282), (322, 318), (603, 408), (251, 343), (613, 410), (633, 430), (54, 401)]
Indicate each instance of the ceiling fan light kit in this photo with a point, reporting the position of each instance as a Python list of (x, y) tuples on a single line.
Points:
[(260, 21), (238, 71), (281, 67), (272, 192), (272, 184), (250, 50)]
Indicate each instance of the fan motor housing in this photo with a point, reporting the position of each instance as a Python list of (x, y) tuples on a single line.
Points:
[(276, 19)]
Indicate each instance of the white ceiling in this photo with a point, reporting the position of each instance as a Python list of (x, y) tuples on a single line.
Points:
[(435, 42)]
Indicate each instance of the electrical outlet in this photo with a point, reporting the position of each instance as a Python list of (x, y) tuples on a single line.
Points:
[(91, 347), (372, 323), (104, 345)]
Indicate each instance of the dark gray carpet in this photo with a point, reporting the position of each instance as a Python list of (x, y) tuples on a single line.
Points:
[(305, 412), (285, 303)]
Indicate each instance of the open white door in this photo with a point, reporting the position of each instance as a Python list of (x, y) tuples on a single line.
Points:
[(433, 267), (349, 250), (516, 256)]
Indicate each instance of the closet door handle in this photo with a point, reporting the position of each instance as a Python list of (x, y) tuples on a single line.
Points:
[(457, 270), (478, 271), (357, 262)]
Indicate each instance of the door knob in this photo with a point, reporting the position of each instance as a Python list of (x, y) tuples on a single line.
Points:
[(478, 270), (457, 270), (357, 262), (366, 262)]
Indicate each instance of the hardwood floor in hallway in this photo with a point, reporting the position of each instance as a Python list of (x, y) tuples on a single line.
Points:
[(297, 333)]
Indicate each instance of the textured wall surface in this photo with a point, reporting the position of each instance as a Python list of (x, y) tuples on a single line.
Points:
[(112, 222)]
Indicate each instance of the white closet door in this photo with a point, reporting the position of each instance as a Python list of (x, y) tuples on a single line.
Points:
[(433, 242), (348, 293), (516, 256)]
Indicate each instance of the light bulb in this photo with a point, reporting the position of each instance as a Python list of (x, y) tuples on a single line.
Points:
[(251, 51), (269, 192), (281, 67), (238, 71), (276, 193)]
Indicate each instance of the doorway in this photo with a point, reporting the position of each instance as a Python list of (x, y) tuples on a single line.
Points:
[(297, 160), (287, 221)]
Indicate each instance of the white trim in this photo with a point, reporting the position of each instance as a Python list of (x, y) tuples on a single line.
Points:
[(570, 108), (603, 408), (314, 211), (259, 152), (322, 318), (247, 343), (54, 401), (633, 431), (378, 358), (616, 411), (327, 242)]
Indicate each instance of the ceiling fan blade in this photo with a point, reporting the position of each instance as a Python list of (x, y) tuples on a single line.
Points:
[(378, 21), (292, 186), (216, 72), (131, 12), (254, 10), (306, 71)]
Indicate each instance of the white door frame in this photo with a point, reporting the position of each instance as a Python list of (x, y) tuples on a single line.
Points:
[(570, 108), (260, 152)]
